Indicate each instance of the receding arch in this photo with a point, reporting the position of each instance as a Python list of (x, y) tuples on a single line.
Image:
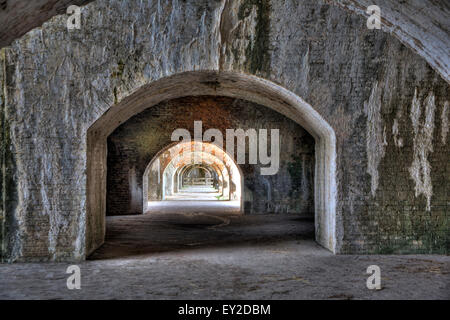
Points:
[(180, 156), (214, 83), (181, 170)]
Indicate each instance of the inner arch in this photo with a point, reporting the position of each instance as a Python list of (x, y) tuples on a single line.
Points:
[(170, 176), (214, 83)]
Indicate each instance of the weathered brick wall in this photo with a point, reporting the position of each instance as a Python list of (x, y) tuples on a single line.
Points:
[(134, 144), (391, 198), (402, 205), (409, 209), (361, 94), (2, 155)]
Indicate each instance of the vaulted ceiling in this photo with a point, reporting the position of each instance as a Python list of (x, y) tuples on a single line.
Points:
[(17, 17), (422, 25)]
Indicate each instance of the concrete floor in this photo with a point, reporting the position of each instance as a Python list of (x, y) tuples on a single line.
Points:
[(225, 256), (190, 206), (202, 193)]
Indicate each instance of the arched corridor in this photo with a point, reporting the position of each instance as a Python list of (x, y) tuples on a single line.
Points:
[(188, 170), (226, 148), (109, 146), (192, 167), (196, 175)]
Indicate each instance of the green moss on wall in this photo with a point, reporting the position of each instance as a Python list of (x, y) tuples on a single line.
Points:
[(8, 185), (119, 71), (2, 150), (295, 169), (257, 52)]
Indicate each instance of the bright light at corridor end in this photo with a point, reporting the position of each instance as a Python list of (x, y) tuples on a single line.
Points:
[(257, 147), (192, 171)]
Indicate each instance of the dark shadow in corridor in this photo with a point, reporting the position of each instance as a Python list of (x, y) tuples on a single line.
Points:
[(163, 232)]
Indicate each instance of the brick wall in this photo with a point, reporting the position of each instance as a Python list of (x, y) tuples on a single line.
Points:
[(391, 198), (134, 144)]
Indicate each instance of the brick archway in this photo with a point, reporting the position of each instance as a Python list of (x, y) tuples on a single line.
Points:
[(214, 83), (211, 155)]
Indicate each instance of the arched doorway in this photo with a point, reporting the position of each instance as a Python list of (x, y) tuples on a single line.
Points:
[(194, 170), (224, 84)]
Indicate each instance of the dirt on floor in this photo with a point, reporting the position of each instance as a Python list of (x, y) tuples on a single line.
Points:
[(227, 256)]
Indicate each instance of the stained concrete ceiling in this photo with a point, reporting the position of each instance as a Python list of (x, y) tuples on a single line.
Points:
[(17, 17), (422, 25)]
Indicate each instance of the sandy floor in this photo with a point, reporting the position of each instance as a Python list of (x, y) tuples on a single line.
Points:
[(225, 256), (194, 193), (192, 206)]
